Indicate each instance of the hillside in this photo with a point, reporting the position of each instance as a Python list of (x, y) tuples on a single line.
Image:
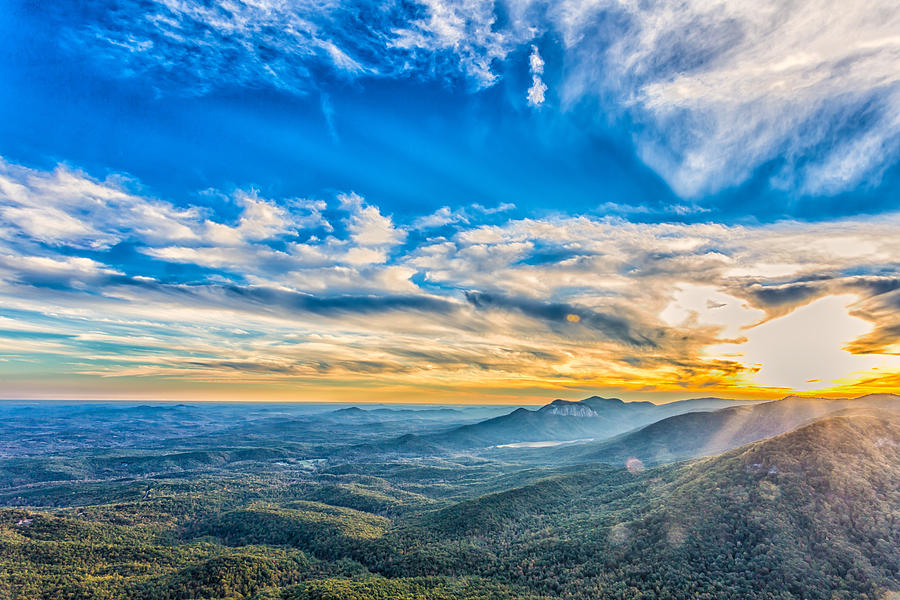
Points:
[(808, 514), (705, 433), (811, 513), (561, 420)]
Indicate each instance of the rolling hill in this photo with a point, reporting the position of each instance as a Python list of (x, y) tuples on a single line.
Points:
[(809, 514), (705, 433)]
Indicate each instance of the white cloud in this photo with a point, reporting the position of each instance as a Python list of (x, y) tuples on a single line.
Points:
[(538, 87), (367, 226), (46, 223), (67, 207), (726, 86), (535, 61), (461, 215), (536, 91), (718, 89), (81, 268), (486, 301), (465, 29), (439, 218), (194, 46)]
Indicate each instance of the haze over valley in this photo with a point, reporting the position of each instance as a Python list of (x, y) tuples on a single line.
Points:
[(449, 300), (792, 498)]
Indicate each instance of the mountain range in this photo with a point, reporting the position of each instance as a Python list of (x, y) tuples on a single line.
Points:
[(559, 421), (784, 500), (704, 433), (811, 514)]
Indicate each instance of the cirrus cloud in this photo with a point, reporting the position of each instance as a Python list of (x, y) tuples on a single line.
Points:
[(718, 89)]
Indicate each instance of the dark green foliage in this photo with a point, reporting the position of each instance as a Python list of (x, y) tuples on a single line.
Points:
[(418, 588), (228, 576), (326, 531), (812, 514)]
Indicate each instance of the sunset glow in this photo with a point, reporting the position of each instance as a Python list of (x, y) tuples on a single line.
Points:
[(447, 205)]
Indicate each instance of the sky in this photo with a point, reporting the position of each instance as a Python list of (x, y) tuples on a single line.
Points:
[(435, 201)]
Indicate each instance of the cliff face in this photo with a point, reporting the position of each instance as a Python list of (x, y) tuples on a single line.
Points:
[(569, 409)]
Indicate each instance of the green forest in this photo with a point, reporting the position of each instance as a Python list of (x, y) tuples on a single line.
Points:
[(811, 513)]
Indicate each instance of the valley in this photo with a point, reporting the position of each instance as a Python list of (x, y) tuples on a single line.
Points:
[(796, 498)]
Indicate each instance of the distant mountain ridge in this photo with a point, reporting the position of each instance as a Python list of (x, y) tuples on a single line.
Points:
[(566, 420), (704, 433), (375, 414), (558, 421)]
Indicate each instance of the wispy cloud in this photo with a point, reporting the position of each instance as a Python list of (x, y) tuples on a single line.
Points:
[(726, 87), (195, 47), (464, 34), (718, 89), (459, 215)]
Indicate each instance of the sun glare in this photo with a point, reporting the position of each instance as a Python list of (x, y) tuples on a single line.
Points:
[(704, 305), (805, 350)]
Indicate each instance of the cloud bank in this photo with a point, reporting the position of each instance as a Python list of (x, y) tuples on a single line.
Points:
[(102, 283)]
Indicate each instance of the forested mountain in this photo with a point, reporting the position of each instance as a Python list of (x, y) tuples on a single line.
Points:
[(705, 433), (812, 513), (561, 420)]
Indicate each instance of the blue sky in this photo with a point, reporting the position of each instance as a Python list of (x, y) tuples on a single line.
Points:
[(449, 200)]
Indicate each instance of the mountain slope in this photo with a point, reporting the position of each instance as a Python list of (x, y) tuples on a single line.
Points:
[(808, 514), (696, 434), (811, 513), (564, 420)]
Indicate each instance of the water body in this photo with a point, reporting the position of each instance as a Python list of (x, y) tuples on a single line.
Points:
[(545, 444)]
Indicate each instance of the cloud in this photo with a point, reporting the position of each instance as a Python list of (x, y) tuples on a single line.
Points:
[(328, 114), (367, 226), (442, 216), (465, 31), (55, 271), (538, 87), (714, 90), (790, 294), (266, 241), (555, 301), (460, 215), (64, 207), (571, 316), (721, 89), (194, 47), (726, 87)]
